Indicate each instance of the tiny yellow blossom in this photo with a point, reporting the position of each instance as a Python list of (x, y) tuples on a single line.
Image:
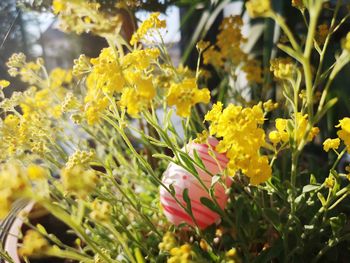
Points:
[(331, 144), (275, 137), (183, 254), (282, 68), (78, 180), (4, 84), (100, 210), (186, 94), (329, 182), (34, 244), (257, 8), (344, 133), (346, 43), (168, 242), (270, 106), (36, 172)]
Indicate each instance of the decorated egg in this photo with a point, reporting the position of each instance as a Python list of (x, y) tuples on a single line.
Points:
[(180, 179)]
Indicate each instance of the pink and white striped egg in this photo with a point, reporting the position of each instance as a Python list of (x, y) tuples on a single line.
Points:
[(181, 179)]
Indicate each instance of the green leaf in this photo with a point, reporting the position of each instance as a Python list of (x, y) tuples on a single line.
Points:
[(310, 188), (187, 200), (197, 159), (210, 204)]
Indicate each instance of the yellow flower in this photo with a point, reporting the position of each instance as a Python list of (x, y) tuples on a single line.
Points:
[(58, 6), (13, 185), (344, 133), (275, 137), (34, 244), (107, 71), (270, 106), (168, 242), (186, 94), (329, 182), (213, 56), (331, 144), (346, 43), (139, 95), (152, 22), (100, 210), (80, 158), (36, 172), (282, 68), (141, 59), (257, 8), (4, 84), (183, 254), (253, 71), (78, 180)]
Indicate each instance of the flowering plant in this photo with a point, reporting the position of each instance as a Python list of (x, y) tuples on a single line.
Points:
[(90, 145)]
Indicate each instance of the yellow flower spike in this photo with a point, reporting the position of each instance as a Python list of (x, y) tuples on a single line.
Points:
[(258, 8), (186, 94), (331, 144), (168, 242), (344, 124)]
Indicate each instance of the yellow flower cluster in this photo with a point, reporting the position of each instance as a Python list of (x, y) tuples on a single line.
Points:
[(242, 139), (86, 16), (150, 24), (130, 75), (258, 8), (80, 158), (344, 133), (285, 129), (253, 71), (270, 105), (229, 42), (283, 68), (100, 211), (182, 254), (12, 184), (186, 94), (168, 242), (78, 180), (28, 71), (34, 244)]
